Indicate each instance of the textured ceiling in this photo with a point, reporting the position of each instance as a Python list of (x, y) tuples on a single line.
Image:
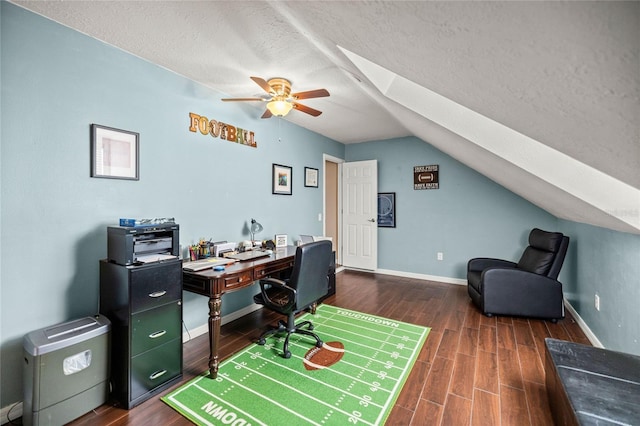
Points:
[(566, 75)]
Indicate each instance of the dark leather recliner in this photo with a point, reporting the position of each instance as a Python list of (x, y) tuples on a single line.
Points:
[(309, 283), (528, 288)]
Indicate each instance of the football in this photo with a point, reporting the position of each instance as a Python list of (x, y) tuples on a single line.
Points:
[(319, 358)]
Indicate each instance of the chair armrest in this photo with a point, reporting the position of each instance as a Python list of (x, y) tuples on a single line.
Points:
[(513, 291), (513, 277), (267, 283), (482, 263)]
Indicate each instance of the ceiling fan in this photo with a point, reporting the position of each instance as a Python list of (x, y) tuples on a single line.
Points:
[(281, 100)]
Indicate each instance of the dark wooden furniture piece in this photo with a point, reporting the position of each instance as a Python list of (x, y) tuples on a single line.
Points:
[(214, 284), (144, 304), (591, 386)]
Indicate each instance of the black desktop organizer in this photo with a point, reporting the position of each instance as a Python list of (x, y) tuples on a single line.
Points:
[(144, 304)]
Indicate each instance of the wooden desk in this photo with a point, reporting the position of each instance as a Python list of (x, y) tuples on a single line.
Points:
[(239, 275)]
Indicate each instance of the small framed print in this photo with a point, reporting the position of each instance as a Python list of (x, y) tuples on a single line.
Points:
[(281, 176), (281, 240), (310, 177), (387, 210), (114, 153)]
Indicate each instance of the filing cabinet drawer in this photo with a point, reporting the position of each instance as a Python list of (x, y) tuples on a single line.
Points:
[(154, 368), (155, 286), (234, 280), (155, 327)]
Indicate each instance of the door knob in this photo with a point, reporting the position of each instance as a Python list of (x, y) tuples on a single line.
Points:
[(371, 220)]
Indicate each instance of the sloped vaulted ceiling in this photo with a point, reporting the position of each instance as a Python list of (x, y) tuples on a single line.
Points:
[(542, 97)]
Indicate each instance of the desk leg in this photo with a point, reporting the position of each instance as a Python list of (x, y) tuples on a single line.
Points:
[(215, 305)]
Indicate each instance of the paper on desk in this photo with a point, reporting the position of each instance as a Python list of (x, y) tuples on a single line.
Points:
[(155, 258)]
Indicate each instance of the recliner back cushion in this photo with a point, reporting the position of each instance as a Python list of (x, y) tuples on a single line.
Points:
[(539, 256), (536, 261), (543, 240)]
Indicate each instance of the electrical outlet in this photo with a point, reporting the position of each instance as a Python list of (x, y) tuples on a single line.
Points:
[(597, 302), (440, 255)]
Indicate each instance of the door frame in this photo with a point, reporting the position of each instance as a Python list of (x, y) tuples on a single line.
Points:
[(339, 162)]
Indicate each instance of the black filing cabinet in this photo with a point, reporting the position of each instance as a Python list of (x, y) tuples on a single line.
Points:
[(144, 304)]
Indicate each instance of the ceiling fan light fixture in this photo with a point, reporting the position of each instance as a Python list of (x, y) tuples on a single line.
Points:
[(279, 107)]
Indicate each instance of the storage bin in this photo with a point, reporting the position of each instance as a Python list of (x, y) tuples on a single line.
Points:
[(66, 370)]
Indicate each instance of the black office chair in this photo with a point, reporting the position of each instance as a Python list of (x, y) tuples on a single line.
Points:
[(308, 283), (529, 288)]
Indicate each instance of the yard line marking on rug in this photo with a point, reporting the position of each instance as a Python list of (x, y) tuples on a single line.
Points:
[(274, 402), (382, 364), (343, 330), (284, 406), (306, 377)]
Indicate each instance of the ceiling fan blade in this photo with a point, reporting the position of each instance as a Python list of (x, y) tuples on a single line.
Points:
[(318, 93), (263, 83), (267, 114), (241, 99), (306, 109)]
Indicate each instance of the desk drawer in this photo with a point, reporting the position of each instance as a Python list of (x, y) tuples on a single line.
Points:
[(237, 280), (269, 269), (196, 284)]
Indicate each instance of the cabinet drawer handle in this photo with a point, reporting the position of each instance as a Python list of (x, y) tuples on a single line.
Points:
[(158, 334), (158, 294), (157, 374)]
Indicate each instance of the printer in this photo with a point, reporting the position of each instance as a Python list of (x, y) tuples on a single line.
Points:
[(127, 244)]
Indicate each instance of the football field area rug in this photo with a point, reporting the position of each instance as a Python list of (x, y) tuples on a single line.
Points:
[(355, 378)]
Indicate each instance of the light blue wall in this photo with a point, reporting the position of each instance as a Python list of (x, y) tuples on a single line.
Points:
[(608, 263), (55, 83), (468, 216), (471, 216)]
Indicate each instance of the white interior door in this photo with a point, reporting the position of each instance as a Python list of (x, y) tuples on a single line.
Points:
[(359, 214)]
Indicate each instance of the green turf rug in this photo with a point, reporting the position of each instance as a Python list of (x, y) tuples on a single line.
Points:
[(331, 386)]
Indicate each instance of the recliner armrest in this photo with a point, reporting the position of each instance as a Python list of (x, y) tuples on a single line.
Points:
[(514, 277), (510, 291), (482, 263)]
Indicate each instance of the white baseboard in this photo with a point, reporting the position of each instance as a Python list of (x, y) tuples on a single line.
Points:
[(583, 325), (447, 280), (16, 412), (204, 328)]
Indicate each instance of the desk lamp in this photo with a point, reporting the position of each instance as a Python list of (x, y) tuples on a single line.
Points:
[(255, 228)]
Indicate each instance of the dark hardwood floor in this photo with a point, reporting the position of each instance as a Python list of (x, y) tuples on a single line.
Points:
[(473, 370)]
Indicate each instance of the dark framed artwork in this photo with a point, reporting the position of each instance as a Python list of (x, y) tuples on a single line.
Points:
[(281, 179), (310, 177), (387, 210), (114, 153)]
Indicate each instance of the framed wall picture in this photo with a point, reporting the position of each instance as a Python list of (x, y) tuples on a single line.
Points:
[(310, 177), (281, 176), (387, 210), (281, 240), (114, 153)]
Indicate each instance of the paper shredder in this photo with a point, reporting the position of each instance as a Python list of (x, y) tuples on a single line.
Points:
[(66, 370)]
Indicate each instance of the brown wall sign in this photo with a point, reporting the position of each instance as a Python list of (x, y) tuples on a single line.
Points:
[(425, 177)]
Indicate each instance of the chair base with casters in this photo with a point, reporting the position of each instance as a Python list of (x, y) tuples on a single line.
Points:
[(289, 328), (309, 282)]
